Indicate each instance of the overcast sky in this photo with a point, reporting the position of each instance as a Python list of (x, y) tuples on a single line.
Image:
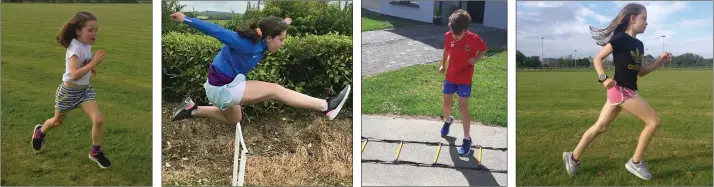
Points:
[(220, 6), (686, 25)]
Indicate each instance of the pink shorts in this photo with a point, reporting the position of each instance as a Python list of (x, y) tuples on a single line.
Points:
[(618, 94)]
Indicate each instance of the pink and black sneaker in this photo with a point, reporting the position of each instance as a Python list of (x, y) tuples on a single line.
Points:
[(100, 159), (183, 111), (37, 137), (334, 103)]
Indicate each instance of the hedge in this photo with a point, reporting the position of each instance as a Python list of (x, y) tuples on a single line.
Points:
[(316, 65)]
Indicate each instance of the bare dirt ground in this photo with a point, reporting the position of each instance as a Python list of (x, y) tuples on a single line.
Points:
[(296, 149)]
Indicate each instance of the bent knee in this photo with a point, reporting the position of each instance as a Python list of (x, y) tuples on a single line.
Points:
[(654, 121), (98, 121)]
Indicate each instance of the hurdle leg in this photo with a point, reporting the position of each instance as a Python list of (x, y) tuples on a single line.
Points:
[(236, 152), (364, 144), (438, 150), (480, 151), (399, 150)]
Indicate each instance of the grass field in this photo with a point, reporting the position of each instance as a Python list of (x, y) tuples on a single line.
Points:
[(288, 149), (220, 22), (554, 109), (373, 21), (32, 67), (417, 91)]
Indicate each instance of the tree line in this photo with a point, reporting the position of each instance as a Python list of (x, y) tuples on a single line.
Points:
[(76, 1), (686, 59)]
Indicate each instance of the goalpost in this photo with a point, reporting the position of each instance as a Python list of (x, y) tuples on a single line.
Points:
[(240, 155)]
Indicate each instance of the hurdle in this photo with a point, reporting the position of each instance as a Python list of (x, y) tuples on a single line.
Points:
[(239, 161)]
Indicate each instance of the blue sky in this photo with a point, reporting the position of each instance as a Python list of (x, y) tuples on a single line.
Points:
[(565, 26)]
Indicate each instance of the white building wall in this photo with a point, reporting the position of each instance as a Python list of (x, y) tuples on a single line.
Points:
[(423, 13), (496, 14)]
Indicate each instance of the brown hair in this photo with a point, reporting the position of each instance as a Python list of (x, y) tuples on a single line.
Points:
[(459, 21), (269, 26), (69, 30), (617, 25)]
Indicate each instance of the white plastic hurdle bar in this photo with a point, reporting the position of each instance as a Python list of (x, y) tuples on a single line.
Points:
[(239, 169)]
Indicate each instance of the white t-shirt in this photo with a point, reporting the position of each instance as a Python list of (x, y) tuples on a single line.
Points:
[(84, 52)]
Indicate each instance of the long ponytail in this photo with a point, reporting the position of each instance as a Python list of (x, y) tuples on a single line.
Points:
[(268, 26), (617, 25), (69, 30)]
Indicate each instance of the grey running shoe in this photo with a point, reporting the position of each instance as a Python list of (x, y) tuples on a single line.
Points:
[(183, 110), (570, 164), (640, 170), (334, 103)]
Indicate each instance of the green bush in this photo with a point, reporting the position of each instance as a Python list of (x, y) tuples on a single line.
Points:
[(316, 65), (309, 17)]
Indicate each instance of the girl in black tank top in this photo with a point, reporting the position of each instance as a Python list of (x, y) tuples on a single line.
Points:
[(619, 39)]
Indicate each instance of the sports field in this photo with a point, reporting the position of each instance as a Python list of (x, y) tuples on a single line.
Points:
[(554, 109), (32, 67)]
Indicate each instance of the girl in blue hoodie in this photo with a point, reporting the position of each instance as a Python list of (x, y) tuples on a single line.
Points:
[(227, 87)]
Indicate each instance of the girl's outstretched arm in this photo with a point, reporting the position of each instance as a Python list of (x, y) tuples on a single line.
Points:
[(663, 59), (228, 37)]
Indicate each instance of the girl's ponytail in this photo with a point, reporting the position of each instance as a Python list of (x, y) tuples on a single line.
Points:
[(617, 25), (258, 30), (69, 30)]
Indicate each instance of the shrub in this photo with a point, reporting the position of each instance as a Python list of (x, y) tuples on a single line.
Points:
[(316, 65), (309, 17)]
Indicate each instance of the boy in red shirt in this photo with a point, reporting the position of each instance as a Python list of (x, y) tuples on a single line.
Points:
[(463, 49)]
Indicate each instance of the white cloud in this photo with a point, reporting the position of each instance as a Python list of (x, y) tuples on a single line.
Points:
[(702, 22), (541, 4), (586, 12), (566, 29)]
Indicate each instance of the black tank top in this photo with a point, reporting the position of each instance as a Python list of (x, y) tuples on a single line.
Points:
[(627, 54)]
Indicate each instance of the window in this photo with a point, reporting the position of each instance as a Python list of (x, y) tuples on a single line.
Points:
[(405, 3)]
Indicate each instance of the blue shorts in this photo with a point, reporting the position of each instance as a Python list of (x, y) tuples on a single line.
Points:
[(462, 90)]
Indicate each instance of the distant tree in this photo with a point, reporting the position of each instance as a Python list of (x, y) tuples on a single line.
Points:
[(520, 59), (533, 61)]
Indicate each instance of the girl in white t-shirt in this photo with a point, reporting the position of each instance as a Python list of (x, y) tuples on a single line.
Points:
[(75, 91)]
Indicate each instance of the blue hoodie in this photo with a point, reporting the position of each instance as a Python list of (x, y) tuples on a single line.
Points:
[(238, 56)]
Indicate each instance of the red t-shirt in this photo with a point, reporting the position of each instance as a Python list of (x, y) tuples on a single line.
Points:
[(460, 71)]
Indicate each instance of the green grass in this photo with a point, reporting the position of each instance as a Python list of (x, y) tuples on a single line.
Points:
[(32, 66), (554, 109), (372, 21), (417, 91), (220, 22)]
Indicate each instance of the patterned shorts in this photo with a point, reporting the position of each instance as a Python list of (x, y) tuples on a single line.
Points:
[(68, 98)]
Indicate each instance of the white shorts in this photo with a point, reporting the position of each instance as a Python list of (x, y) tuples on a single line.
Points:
[(227, 95)]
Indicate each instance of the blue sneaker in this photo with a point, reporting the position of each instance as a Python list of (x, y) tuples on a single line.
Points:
[(465, 148), (445, 128)]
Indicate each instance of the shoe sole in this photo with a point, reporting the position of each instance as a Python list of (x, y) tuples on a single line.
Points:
[(634, 172), (179, 110), (565, 161), (33, 137), (95, 160), (339, 107)]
